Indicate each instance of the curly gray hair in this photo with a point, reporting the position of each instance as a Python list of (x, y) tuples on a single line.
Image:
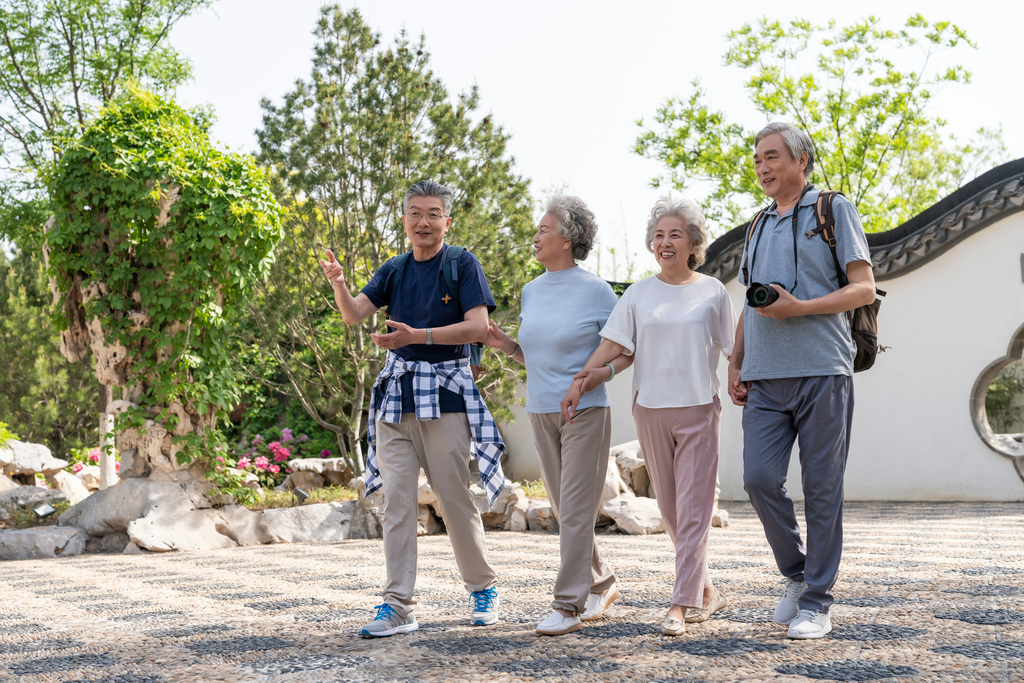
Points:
[(796, 141), (693, 221), (575, 223)]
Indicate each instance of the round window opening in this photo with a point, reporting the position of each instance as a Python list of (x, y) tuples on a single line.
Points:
[(997, 404)]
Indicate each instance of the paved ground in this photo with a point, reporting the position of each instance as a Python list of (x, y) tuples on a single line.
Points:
[(928, 592)]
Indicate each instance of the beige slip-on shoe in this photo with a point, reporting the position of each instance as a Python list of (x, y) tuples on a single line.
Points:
[(696, 616)]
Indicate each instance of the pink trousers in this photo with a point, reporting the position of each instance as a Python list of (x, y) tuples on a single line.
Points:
[(680, 447)]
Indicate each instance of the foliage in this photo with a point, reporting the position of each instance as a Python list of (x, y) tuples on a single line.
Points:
[(45, 399), (161, 237), (861, 92), (283, 499), (1004, 402), (268, 457), (535, 490), (5, 435), (24, 518), (344, 145)]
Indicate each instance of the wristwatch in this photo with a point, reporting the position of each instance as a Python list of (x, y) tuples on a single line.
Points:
[(430, 337)]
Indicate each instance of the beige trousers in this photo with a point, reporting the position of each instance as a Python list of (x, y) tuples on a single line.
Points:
[(441, 447), (680, 447), (573, 464)]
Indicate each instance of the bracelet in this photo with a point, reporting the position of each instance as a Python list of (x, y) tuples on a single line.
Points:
[(610, 366), (514, 351)]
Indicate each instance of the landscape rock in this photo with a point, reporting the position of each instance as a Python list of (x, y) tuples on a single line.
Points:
[(511, 502), (426, 494), (239, 523), (189, 530), (70, 485), (304, 480), (635, 515), (614, 486), (308, 523), (20, 460), (90, 477), (6, 483), (632, 468), (427, 523), (720, 517), (368, 521), (335, 471), (541, 517), (133, 466), (111, 543), (30, 497), (114, 508), (41, 542)]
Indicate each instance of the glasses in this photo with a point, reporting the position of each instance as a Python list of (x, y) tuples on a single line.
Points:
[(432, 217)]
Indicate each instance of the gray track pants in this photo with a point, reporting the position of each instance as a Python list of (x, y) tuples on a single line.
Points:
[(818, 410)]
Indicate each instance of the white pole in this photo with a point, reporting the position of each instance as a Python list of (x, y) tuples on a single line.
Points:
[(108, 459)]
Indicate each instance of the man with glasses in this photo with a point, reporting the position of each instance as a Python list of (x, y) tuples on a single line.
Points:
[(425, 410)]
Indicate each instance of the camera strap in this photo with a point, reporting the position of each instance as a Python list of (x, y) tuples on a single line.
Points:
[(753, 253)]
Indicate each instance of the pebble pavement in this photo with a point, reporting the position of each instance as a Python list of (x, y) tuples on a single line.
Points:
[(927, 592)]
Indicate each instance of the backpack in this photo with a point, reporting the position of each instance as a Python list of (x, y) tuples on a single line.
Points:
[(863, 320), (450, 271)]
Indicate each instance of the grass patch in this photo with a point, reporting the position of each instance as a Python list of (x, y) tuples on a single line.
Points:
[(534, 490), (285, 499), (24, 518)]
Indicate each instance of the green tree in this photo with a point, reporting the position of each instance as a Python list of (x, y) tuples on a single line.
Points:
[(861, 92), (344, 146), (1004, 402), (156, 242)]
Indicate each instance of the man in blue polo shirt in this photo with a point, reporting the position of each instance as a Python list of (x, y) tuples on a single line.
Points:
[(425, 410)]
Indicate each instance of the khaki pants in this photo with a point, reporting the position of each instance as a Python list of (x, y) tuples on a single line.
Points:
[(680, 447), (441, 447), (573, 464)]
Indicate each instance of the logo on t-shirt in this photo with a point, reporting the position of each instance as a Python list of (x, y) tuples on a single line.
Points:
[(446, 298)]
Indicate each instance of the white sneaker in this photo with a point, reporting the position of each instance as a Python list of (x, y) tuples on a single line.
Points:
[(597, 603), (789, 605), (810, 624), (485, 607), (556, 624)]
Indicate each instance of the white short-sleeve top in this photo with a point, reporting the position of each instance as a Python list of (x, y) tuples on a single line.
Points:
[(677, 333)]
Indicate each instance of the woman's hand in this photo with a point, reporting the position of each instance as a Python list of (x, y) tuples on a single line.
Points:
[(571, 400), (593, 377), (497, 339)]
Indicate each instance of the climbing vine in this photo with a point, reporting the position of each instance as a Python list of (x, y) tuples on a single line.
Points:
[(156, 241)]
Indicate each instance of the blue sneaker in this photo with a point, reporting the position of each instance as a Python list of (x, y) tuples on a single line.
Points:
[(485, 607), (388, 623)]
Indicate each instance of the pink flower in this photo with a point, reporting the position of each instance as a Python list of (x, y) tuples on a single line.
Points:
[(77, 467), (257, 439), (94, 457), (282, 454), (274, 468), (288, 471), (262, 462), (220, 458), (325, 453), (273, 446), (303, 437), (286, 434), (117, 467), (243, 463)]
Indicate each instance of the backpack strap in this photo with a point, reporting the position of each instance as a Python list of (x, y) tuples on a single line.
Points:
[(395, 276), (746, 252), (450, 270)]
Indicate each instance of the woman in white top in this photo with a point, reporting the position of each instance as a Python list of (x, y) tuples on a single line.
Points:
[(677, 323), (563, 312)]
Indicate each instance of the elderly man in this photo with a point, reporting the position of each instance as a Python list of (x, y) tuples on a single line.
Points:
[(425, 410), (792, 372)]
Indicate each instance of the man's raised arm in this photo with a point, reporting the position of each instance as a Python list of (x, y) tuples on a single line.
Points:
[(353, 309)]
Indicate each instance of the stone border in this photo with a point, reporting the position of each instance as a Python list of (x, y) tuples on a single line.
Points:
[(1002, 444)]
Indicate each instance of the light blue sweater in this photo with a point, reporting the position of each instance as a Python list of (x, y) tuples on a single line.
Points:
[(562, 315)]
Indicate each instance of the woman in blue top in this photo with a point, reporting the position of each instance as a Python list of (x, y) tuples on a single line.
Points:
[(563, 312)]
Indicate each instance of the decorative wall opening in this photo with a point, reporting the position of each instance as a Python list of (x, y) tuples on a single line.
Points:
[(997, 401)]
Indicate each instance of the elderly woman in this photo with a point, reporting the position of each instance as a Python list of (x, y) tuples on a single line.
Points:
[(676, 324), (563, 312)]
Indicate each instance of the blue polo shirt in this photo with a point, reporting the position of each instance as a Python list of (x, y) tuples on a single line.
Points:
[(423, 300)]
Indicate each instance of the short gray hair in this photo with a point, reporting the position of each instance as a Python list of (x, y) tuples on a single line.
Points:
[(575, 223), (693, 221), (796, 140), (429, 188)]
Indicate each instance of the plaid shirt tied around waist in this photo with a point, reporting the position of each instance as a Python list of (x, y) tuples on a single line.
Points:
[(453, 375)]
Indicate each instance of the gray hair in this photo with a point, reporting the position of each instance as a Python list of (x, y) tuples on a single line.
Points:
[(693, 221), (575, 223), (796, 140), (429, 188)]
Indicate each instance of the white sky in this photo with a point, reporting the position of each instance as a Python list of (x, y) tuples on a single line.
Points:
[(568, 80)]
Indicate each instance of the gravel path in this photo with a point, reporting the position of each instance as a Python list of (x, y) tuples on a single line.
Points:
[(927, 592)]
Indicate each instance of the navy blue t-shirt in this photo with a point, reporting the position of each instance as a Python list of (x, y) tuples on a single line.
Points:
[(420, 302)]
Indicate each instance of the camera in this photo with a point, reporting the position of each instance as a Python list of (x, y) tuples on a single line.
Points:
[(760, 295)]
